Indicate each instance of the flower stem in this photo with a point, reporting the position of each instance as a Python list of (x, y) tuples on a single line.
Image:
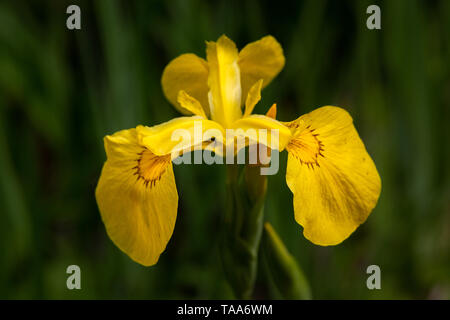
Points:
[(243, 223)]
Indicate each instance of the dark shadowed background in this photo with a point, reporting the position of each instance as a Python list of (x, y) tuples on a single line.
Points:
[(62, 90)]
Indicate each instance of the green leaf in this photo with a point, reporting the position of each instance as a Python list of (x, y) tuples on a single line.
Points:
[(286, 273)]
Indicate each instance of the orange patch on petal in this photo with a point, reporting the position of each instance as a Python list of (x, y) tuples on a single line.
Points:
[(150, 167), (306, 146)]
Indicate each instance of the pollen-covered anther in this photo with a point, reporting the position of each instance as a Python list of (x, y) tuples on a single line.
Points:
[(150, 167), (306, 147)]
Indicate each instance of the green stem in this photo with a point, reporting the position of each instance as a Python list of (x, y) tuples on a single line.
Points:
[(243, 223)]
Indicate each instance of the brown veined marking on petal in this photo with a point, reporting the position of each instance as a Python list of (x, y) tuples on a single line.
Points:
[(150, 167), (306, 146)]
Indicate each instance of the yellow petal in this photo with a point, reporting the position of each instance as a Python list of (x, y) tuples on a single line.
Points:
[(137, 197), (191, 104), (189, 73), (276, 135), (272, 112), (262, 59), (224, 81), (253, 97), (179, 135), (334, 181)]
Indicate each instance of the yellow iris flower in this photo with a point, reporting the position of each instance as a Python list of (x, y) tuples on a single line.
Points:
[(334, 181)]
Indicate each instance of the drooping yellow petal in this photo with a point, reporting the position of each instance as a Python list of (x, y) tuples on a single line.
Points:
[(137, 197), (224, 81), (262, 130), (189, 73), (191, 104), (334, 181), (179, 135), (262, 59), (253, 97)]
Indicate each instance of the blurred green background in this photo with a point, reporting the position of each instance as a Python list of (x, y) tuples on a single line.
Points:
[(62, 90)]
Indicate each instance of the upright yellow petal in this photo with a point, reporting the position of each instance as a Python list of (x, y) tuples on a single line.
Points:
[(191, 104), (253, 97), (224, 81), (189, 73), (137, 197), (262, 59), (334, 181)]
